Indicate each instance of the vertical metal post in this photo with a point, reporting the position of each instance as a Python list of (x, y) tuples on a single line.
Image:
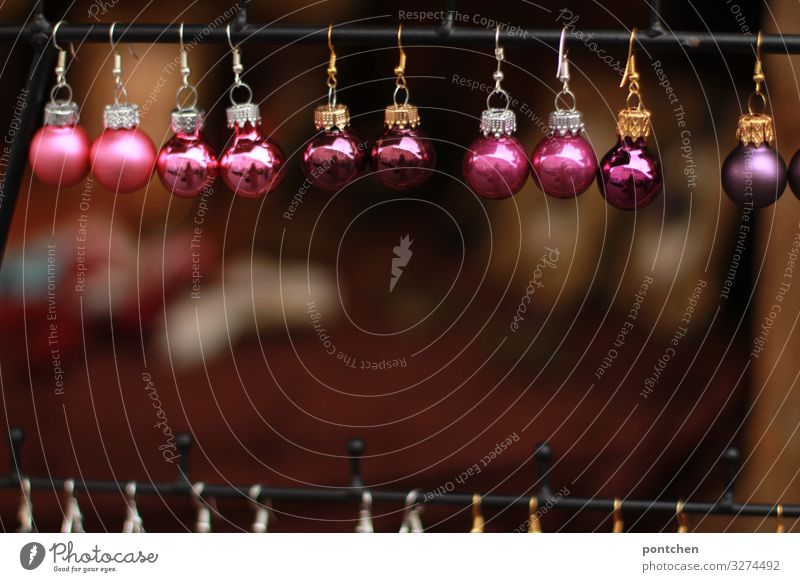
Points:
[(31, 104)]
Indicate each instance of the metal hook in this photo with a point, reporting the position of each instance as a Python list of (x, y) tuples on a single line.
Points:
[(630, 65), (133, 520), (73, 518), (477, 518), (230, 42), (180, 37), (365, 514), (203, 522), (25, 513), (683, 525), (400, 69), (331, 69), (779, 527), (263, 510), (534, 524), (111, 34), (55, 36), (619, 525), (412, 520), (562, 73)]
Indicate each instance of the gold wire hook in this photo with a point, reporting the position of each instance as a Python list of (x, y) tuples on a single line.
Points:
[(400, 69), (683, 525), (758, 71), (630, 65), (534, 524), (332, 62), (477, 517), (618, 525), (779, 527)]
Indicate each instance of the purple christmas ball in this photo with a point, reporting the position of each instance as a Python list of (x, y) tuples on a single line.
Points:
[(402, 158), (563, 166), (754, 175), (630, 175), (794, 173), (332, 159), (496, 167)]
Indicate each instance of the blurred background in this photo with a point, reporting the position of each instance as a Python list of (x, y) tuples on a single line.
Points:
[(160, 329)]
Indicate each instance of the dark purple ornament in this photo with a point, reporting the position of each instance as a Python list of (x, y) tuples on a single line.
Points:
[(794, 174), (563, 166), (754, 176), (402, 158), (630, 175)]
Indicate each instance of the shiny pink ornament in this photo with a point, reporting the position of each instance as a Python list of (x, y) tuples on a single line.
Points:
[(402, 158), (123, 156), (630, 175), (186, 163), (496, 167), (563, 166), (333, 159), (252, 165), (59, 152)]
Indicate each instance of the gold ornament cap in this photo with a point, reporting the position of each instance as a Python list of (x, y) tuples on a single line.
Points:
[(329, 116), (755, 128), (633, 122), (400, 116)]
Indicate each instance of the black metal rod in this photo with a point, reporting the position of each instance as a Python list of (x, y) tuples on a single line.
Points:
[(435, 36), (29, 107), (350, 494)]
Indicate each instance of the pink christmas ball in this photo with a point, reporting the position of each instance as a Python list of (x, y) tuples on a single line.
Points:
[(252, 166), (333, 159), (563, 166), (123, 159), (59, 156), (186, 164), (402, 158), (496, 167)]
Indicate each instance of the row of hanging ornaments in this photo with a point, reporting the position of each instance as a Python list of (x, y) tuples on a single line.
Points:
[(496, 165)]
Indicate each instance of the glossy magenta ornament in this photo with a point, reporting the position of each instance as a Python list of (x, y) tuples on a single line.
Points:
[(754, 173), (495, 164), (402, 158), (252, 165), (630, 175), (563, 164), (123, 156), (186, 163), (59, 152), (336, 156)]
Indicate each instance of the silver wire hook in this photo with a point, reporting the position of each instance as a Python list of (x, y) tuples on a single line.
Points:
[(203, 522), (230, 42), (133, 520), (412, 522), (263, 510), (111, 34), (25, 513), (365, 514), (180, 37), (73, 518), (497, 39), (562, 74), (55, 36)]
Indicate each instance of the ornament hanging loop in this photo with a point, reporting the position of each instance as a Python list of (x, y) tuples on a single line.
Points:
[(238, 69), (758, 79), (499, 55), (331, 69), (562, 74), (400, 71), (631, 76)]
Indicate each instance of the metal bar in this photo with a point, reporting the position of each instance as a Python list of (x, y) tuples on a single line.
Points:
[(350, 494), (33, 96), (433, 36)]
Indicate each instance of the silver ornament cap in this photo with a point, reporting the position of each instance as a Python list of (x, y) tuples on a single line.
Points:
[(189, 120), (566, 121), (243, 113), (498, 122), (119, 116), (61, 113)]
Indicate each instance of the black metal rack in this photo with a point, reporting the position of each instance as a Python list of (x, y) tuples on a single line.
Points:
[(38, 33), (540, 488)]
